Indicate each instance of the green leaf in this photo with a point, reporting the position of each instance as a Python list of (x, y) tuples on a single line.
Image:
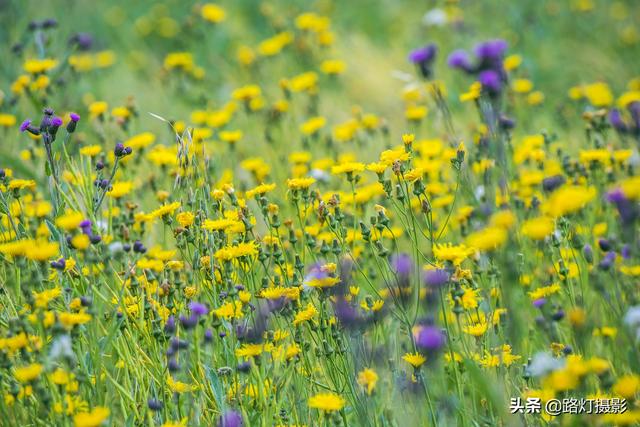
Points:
[(216, 386)]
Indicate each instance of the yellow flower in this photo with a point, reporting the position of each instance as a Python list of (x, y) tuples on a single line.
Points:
[(328, 402), (70, 220), (43, 298), (448, 252), (69, 320), (627, 386), (28, 373), (213, 13), (598, 94), (80, 241), (544, 291), (140, 141), (7, 120), (91, 419), (305, 315), (260, 190), (476, 329), (229, 253), (488, 239), (185, 219), (368, 378), (522, 86), (567, 200), (313, 125), (333, 66), (538, 228), (37, 66), (414, 359), (179, 387), (249, 350), (300, 183), (348, 168)]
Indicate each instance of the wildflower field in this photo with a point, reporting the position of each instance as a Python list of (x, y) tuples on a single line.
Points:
[(324, 213)]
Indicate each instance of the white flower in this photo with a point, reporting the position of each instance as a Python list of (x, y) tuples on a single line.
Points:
[(543, 363), (632, 318), (435, 18), (61, 347)]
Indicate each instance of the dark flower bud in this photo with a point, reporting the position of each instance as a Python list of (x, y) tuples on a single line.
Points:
[(552, 182), (119, 150), (99, 165), (95, 239), (558, 315), (588, 253), (170, 326), (244, 367), (173, 365), (208, 335), (604, 245), (49, 23), (154, 404)]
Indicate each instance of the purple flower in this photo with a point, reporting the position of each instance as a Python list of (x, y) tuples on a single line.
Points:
[(402, 264), (430, 338), (587, 251), (423, 54), (423, 57), (436, 277), (56, 122), (607, 261), (459, 59), (626, 251), (552, 182), (198, 308), (490, 81), (74, 117), (170, 326), (230, 418), (627, 209), (615, 118), (25, 125), (491, 50), (346, 314), (538, 303)]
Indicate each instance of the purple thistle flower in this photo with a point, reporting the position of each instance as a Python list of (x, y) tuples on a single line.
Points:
[(423, 54), (459, 59), (538, 303), (56, 122), (607, 261), (423, 57), (74, 117), (402, 264), (198, 308), (626, 251), (491, 50), (490, 81), (627, 209), (170, 326), (25, 125), (436, 277), (230, 418), (616, 121), (430, 338)]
